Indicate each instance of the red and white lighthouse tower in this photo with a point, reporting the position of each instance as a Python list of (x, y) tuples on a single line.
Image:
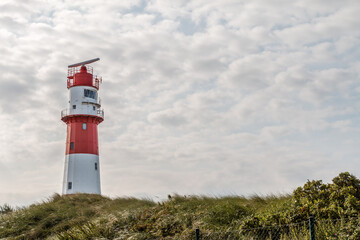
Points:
[(84, 113)]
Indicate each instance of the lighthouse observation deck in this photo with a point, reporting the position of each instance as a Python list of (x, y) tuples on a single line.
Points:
[(66, 113)]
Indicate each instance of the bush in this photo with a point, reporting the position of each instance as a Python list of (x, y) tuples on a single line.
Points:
[(226, 213), (337, 200)]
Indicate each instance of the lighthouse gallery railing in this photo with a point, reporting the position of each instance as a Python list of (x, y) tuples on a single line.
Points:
[(66, 112)]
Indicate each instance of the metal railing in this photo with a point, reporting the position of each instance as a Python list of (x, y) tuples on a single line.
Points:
[(72, 71), (96, 82), (66, 112), (100, 113)]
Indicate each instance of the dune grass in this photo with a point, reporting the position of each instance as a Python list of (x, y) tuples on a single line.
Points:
[(61, 213), (85, 216), (335, 206)]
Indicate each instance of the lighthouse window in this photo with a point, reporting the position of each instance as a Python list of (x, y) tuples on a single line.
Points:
[(89, 93), (69, 185), (74, 106), (72, 145), (84, 126), (95, 166)]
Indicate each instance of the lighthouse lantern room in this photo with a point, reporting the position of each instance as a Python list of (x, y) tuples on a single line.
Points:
[(84, 113)]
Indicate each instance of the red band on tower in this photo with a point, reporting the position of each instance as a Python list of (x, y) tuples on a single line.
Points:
[(82, 135)]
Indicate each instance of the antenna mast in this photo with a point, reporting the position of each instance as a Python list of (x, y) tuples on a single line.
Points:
[(84, 62)]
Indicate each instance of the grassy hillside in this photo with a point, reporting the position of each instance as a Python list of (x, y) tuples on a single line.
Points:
[(335, 207)]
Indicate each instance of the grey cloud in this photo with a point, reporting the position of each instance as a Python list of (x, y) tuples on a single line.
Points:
[(11, 24), (193, 91), (167, 118)]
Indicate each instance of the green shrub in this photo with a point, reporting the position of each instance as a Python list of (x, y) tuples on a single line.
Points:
[(226, 212), (335, 206)]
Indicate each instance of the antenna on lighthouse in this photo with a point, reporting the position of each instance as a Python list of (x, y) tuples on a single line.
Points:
[(84, 62)]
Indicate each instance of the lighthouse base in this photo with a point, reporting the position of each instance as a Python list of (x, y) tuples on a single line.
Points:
[(81, 174)]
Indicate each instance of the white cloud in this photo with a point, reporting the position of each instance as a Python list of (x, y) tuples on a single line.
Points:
[(202, 97)]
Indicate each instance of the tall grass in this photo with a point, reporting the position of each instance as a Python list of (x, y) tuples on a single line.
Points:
[(336, 208), (61, 213), (84, 216)]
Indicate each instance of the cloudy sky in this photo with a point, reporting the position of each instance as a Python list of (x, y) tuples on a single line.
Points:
[(200, 97)]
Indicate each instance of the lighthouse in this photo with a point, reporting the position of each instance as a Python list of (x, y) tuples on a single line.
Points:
[(82, 117)]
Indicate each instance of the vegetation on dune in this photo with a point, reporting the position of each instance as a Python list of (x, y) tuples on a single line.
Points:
[(335, 206), (62, 213)]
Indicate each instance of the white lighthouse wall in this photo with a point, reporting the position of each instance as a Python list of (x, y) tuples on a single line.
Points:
[(83, 105), (82, 174)]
